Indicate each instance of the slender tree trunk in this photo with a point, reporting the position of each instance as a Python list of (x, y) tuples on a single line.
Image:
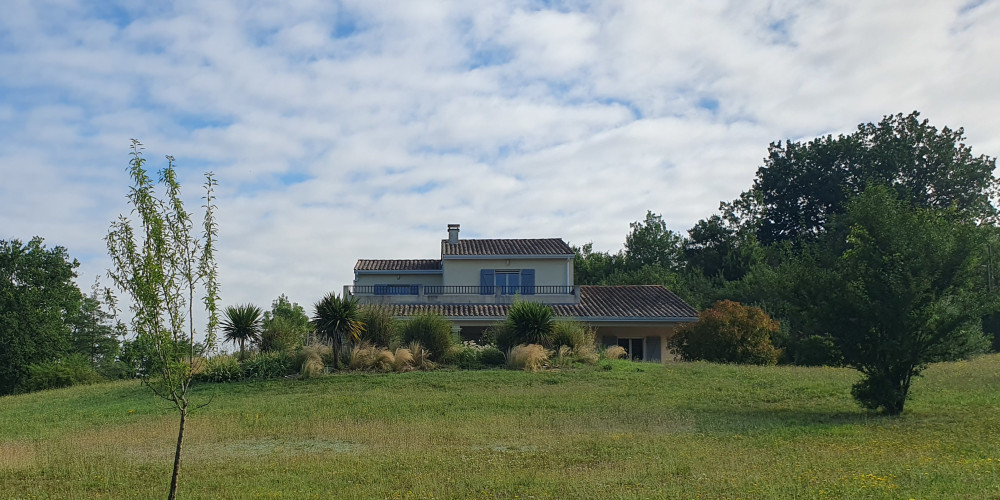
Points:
[(177, 455)]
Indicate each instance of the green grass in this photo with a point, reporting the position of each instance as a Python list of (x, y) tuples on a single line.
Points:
[(637, 431)]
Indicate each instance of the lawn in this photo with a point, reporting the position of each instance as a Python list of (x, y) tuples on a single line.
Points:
[(636, 431)]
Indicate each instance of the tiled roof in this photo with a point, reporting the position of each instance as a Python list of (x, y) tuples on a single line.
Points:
[(545, 246), (596, 302), (398, 265)]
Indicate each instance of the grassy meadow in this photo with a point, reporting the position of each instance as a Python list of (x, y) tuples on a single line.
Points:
[(636, 431)]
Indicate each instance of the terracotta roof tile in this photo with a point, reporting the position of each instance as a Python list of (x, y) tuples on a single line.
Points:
[(596, 302), (398, 265), (545, 246)]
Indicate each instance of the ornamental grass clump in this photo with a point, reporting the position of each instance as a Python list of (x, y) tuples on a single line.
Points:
[(402, 360), (530, 357), (615, 352), (421, 357), (310, 360), (381, 326), (364, 356)]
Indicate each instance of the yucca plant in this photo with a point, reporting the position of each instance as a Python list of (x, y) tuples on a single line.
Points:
[(529, 323), (336, 319), (242, 325)]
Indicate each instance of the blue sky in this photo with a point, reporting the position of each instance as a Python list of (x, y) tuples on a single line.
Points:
[(360, 129)]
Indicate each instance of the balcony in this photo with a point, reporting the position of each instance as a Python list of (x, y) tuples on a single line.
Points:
[(461, 294)]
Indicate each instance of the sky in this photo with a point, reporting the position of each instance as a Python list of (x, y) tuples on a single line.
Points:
[(361, 129)]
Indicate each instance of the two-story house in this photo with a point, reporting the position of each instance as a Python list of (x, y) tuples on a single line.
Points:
[(475, 281)]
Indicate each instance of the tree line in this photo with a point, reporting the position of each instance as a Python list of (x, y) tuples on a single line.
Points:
[(873, 250)]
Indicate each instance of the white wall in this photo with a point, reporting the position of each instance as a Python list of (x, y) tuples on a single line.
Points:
[(365, 279)]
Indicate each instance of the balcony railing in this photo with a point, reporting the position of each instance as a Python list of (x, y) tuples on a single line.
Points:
[(459, 290)]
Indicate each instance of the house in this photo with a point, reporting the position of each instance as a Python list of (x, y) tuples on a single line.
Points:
[(476, 280)]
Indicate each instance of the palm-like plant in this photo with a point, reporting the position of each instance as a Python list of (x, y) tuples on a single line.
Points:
[(337, 319), (242, 324), (530, 322)]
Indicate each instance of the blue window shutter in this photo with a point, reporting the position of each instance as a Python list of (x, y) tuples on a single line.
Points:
[(527, 281), (414, 289), (381, 289), (486, 282)]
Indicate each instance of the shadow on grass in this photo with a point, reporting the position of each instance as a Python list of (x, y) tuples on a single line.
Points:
[(736, 421)]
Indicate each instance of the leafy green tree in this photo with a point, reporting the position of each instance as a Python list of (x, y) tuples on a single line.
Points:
[(159, 265), (728, 332), (337, 320), (592, 268), (37, 294), (910, 293), (242, 324), (93, 334), (802, 186), (285, 327), (650, 243), (721, 251)]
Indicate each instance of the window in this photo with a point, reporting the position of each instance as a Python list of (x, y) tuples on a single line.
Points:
[(633, 348), (507, 281)]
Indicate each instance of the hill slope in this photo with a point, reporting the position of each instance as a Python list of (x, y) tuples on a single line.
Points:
[(637, 431)]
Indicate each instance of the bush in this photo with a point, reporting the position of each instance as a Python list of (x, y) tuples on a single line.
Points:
[(817, 350), (268, 365), (381, 326), (527, 323), (528, 357), (490, 356), (615, 352), (572, 333), (72, 370), (432, 331), (728, 332), (578, 336), (466, 358), (281, 335), (222, 368)]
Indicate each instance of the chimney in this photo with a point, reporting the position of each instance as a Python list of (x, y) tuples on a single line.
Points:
[(452, 234)]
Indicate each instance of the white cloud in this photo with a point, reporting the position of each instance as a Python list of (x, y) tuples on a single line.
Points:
[(360, 129)]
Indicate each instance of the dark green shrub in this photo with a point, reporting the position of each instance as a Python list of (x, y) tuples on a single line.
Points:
[(528, 323), (268, 365), (72, 370), (465, 358), (220, 369), (432, 331), (817, 350), (491, 356), (728, 332), (281, 335), (381, 326)]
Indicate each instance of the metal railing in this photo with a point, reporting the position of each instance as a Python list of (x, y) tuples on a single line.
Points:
[(459, 290)]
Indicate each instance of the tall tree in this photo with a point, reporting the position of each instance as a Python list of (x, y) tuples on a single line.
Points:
[(286, 326), (910, 293), (159, 265), (650, 243), (803, 185), (37, 297), (93, 334)]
